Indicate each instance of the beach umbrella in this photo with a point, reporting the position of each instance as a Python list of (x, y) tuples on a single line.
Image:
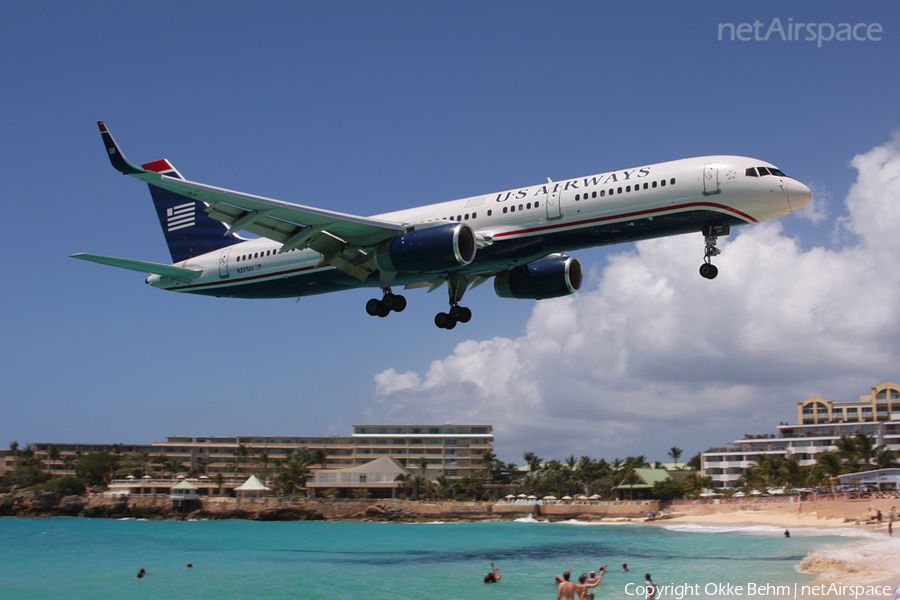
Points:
[(567, 497), (776, 491), (521, 496), (739, 495), (549, 497), (594, 497), (130, 477), (756, 493), (532, 497), (146, 477), (510, 496)]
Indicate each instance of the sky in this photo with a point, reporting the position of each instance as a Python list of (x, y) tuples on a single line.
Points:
[(370, 107)]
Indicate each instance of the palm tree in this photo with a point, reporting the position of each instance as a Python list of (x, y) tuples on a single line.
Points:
[(631, 478), (829, 464), (533, 460), (68, 462), (53, 454), (675, 453), (422, 463)]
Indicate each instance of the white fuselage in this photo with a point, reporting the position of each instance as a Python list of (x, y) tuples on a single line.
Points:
[(520, 225)]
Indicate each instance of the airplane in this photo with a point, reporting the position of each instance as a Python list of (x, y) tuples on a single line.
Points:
[(517, 237)]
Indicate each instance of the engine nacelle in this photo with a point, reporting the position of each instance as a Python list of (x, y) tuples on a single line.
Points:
[(443, 247), (541, 279)]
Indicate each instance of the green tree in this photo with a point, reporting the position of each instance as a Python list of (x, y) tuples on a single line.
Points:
[(667, 489), (96, 468), (675, 453)]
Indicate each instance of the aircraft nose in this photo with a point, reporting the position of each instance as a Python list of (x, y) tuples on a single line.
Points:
[(798, 195)]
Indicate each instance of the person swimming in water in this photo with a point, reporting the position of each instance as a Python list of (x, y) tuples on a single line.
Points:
[(492, 577)]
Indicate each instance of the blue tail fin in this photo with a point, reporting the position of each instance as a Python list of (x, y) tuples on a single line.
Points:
[(188, 229)]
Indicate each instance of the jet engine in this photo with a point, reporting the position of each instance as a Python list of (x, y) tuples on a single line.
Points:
[(550, 277), (439, 248)]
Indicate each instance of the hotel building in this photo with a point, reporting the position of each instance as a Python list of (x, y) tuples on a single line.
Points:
[(820, 424), (449, 450)]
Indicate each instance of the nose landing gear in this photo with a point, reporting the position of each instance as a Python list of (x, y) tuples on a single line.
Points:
[(710, 234), (390, 302)]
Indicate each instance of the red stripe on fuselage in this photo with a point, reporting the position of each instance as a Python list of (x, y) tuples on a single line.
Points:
[(228, 284), (628, 216)]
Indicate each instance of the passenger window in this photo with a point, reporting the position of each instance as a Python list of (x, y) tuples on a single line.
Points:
[(577, 197), (663, 183), (627, 188), (536, 204), (474, 215), (459, 217), (504, 209), (512, 208), (654, 184), (750, 172), (645, 186), (618, 190), (602, 193), (490, 212), (611, 191), (593, 194), (520, 207), (672, 181), (528, 206), (467, 216)]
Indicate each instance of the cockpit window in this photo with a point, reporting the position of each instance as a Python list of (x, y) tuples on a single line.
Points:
[(763, 171)]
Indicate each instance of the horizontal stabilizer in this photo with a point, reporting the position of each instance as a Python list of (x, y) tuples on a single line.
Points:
[(140, 266)]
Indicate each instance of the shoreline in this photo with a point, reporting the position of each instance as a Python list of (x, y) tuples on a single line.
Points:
[(852, 566)]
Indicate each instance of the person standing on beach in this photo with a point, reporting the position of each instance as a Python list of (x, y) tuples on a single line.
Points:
[(568, 589)]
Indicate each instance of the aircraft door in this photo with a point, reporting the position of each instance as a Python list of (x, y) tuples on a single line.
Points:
[(223, 263), (552, 201), (711, 179)]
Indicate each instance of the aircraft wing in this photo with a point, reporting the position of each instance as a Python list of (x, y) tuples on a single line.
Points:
[(342, 239)]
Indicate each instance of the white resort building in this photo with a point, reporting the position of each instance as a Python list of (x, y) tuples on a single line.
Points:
[(448, 450), (820, 424)]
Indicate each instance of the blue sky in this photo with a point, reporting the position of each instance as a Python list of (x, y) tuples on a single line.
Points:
[(368, 107)]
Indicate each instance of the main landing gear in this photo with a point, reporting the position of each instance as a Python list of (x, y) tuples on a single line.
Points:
[(710, 234), (458, 314), (390, 302)]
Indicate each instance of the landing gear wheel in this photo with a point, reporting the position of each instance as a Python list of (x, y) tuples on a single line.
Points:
[(708, 270), (374, 307), (460, 313), (444, 321), (399, 303), (383, 307)]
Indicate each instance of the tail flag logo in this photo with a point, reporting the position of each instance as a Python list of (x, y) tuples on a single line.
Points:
[(181, 216)]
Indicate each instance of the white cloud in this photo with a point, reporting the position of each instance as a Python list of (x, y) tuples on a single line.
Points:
[(655, 356)]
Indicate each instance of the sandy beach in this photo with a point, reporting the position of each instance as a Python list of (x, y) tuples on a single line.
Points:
[(861, 569)]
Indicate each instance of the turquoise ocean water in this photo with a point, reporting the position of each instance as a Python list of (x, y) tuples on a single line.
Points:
[(99, 558)]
